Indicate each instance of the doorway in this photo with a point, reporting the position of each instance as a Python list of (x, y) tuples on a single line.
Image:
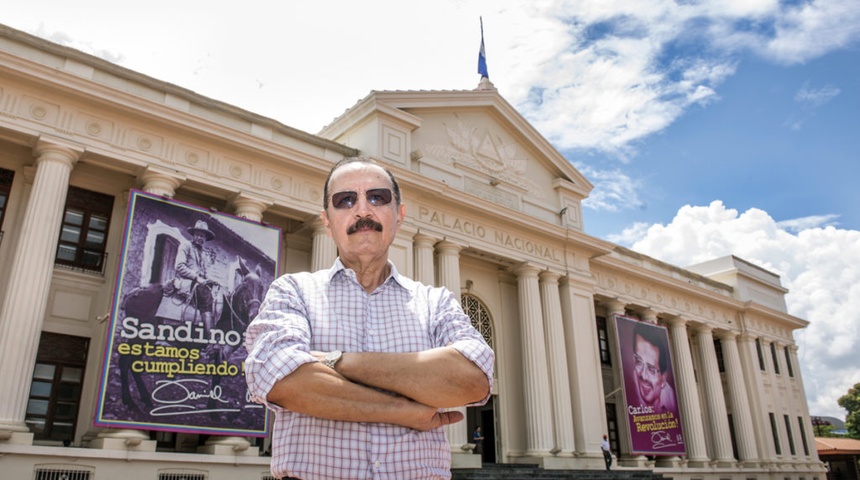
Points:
[(484, 417)]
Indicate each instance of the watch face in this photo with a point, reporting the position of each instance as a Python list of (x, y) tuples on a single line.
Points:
[(332, 358)]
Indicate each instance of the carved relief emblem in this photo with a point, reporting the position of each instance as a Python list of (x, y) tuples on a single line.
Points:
[(486, 153)]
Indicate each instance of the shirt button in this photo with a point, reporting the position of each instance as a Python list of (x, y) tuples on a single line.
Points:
[(376, 464)]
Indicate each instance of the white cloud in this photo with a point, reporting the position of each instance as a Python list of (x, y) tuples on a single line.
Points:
[(611, 189), (813, 221), (811, 29), (819, 265), (816, 97)]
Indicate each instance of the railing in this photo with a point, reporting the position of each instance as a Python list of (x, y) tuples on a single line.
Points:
[(77, 267)]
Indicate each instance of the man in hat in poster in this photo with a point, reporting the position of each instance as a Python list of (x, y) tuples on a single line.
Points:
[(192, 263)]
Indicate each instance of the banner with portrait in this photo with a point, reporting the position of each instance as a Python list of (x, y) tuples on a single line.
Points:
[(652, 414), (188, 283)]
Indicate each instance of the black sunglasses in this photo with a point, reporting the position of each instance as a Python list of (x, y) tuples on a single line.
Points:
[(375, 196)]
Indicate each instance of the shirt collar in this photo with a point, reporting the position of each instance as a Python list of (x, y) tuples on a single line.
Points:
[(393, 276)]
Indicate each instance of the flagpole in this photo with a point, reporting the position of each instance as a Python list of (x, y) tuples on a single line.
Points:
[(482, 55)]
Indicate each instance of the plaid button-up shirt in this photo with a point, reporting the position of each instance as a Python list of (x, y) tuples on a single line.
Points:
[(329, 310)]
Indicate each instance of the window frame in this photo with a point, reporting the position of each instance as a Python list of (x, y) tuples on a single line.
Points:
[(61, 353), (603, 341), (93, 210), (760, 353), (775, 358)]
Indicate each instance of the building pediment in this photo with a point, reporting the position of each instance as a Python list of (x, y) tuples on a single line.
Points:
[(472, 141)]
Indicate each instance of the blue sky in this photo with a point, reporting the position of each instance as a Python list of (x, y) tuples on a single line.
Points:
[(708, 128), (780, 138)]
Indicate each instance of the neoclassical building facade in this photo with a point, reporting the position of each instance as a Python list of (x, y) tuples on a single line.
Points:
[(493, 212)]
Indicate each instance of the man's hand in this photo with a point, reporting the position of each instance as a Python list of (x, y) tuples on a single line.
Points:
[(438, 419)]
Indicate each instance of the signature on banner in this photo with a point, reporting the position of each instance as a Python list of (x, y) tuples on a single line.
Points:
[(173, 397)]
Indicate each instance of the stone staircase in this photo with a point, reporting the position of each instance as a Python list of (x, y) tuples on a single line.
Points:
[(532, 472)]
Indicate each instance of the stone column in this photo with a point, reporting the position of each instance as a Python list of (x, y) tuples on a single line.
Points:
[(449, 277), (323, 250), (585, 368), (26, 295), (741, 414), (808, 429), (539, 437), (717, 414), (760, 422), (424, 269), (557, 355), (691, 411)]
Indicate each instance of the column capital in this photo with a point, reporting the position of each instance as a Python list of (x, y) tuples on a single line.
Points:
[(614, 305), (249, 206), (316, 224), (49, 149), (446, 247), (746, 337), (525, 269), (161, 182), (676, 321), (725, 334), (547, 276), (704, 328), (424, 240), (649, 315)]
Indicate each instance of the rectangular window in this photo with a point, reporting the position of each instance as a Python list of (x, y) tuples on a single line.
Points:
[(775, 434), (55, 391), (803, 436), (775, 359), (83, 234), (6, 177), (603, 341), (760, 354), (718, 347), (790, 436), (788, 363)]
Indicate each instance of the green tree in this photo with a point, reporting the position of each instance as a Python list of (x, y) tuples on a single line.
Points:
[(851, 402)]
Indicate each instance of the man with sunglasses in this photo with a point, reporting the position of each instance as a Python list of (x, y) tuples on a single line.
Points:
[(651, 363), (357, 361)]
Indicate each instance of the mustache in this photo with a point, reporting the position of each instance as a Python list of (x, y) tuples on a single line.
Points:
[(364, 223)]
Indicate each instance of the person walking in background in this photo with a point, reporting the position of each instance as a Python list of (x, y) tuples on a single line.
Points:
[(478, 440), (607, 451)]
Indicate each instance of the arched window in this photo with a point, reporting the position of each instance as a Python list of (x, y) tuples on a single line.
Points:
[(480, 316)]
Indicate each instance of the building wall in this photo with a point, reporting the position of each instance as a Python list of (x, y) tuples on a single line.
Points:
[(500, 221)]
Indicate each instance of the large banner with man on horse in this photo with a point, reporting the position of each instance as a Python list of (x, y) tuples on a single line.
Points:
[(190, 280)]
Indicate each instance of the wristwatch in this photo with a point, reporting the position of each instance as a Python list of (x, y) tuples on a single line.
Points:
[(332, 358)]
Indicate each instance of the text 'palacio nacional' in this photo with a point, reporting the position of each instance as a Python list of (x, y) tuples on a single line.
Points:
[(493, 211)]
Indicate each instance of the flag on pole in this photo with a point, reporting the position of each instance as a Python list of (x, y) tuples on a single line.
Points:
[(482, 56)]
